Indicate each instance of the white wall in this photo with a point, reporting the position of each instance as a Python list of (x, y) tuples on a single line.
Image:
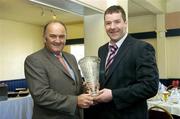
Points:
[(142, 23), (173, 57), (17, 40), (75, 30), (95, 35)]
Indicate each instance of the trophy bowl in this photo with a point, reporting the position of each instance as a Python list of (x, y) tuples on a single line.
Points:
[(90, 70)]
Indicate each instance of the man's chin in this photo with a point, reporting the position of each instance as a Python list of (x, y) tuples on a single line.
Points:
[(56, 50), (114, 36), (115, 39)]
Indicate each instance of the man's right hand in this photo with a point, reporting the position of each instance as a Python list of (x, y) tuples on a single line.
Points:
[(85, 101)]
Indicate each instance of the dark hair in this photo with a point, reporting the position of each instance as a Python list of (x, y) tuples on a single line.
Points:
[(115, 9), (54, 21)]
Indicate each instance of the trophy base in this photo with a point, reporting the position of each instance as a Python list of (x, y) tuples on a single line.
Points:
[(94, 94)]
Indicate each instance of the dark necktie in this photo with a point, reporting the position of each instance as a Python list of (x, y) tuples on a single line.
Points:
[(113, 49)]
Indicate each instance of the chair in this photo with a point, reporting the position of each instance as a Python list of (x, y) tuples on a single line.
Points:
[(157, 112), (169, 87)]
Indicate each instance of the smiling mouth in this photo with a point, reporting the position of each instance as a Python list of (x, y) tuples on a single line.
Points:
[(113, 33), (56, 45)]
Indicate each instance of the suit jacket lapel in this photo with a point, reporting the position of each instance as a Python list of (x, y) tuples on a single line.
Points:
[(103, 61), (55, 61), (71, 65), (117, 59)]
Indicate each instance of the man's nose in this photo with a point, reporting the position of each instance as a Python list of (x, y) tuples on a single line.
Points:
[(58, 38), (112, 25)]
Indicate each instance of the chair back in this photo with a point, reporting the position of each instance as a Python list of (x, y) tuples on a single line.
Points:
[(158, 112)]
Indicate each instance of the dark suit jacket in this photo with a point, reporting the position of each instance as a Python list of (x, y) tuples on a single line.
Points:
[(133, 78), (53, 90)]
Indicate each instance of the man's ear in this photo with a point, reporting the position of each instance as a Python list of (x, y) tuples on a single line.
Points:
[(44, 39)]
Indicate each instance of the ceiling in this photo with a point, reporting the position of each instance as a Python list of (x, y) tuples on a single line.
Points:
[(28, 12)]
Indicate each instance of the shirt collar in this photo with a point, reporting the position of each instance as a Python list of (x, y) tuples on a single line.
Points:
[(60, 54)]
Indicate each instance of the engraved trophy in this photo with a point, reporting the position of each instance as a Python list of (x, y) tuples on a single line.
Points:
[(90, 70)]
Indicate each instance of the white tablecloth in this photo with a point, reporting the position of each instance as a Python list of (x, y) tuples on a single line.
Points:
[(16, 108), (172, 108)]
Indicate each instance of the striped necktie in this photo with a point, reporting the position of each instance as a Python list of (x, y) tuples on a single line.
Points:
[(113, 49)]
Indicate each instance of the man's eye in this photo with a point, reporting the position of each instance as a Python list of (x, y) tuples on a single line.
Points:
[(53, 36), (117, 21), (62, 36), (108, 23)]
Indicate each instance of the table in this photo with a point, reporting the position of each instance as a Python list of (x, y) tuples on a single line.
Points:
[(172, 108), (17, 108)]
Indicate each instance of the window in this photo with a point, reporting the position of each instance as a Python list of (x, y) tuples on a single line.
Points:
[(77, 51)]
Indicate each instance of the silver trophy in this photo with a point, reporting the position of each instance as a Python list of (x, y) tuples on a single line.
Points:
[(90, 70)]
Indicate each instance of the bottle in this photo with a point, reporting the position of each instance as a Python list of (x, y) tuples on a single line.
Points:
[(162, 93), (175, 96)]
